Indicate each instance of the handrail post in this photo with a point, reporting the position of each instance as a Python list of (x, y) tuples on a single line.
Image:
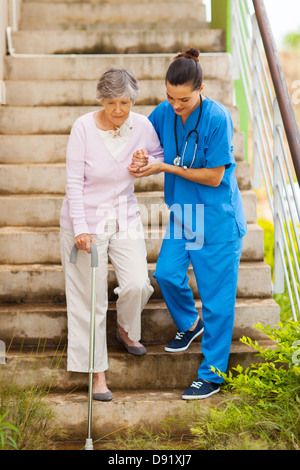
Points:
[(13, 15), (278, 212), (256, 97)]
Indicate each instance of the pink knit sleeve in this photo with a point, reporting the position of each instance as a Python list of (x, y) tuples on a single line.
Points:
[(75, 164), (154, 147)]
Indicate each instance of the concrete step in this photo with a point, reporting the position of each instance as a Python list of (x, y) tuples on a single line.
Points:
[(83, 92), (108, 42), (51, 148), (91, 67), (31, 324), (41, 16), (39, 245), (50, 178), (154, 371), (131, 409), (43, 210), (45, 282), (20, 120)]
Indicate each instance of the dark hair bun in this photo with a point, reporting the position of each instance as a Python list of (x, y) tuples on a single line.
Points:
[(193, 53), (190, 54)]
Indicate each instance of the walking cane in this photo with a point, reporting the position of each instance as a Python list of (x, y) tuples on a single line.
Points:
[(94, 265)]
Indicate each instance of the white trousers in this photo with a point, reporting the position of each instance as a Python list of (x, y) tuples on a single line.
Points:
[(127, 252)]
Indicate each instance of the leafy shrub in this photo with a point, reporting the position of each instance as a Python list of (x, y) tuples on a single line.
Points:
[(263, 411)]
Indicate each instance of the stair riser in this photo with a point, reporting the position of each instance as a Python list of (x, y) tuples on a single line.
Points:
[(39, 283), (51, 148), (91, 67), (39, 247), (45, 179), (42, 211), (153, 371), (120, 415), (84, 13), (83, 93), (53, 119), (31, 325), (107, 42)]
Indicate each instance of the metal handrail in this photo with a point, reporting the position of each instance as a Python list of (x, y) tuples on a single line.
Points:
[(279, 82), (273, 121)]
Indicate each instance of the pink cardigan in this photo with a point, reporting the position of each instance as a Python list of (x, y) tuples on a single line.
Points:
[(97, 184)]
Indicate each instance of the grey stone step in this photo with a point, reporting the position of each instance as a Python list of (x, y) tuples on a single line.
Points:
[(90, 67), (51, 148), (29, 324), (108, 42), (21, 120), (45, 282), (50, 178), (38, 245), (128, 410), (40, 16), (153, 371), (83, 92), (42, 210)]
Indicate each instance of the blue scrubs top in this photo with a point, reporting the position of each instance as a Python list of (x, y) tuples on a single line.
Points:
[(224, 219)]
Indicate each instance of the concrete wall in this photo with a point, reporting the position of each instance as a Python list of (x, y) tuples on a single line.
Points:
[(5, 20), (3, 25)]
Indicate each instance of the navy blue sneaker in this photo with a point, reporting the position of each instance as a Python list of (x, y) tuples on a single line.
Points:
[(200, 389), (183, 339)]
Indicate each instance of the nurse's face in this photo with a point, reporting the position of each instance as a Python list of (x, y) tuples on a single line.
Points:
[(183, 99)]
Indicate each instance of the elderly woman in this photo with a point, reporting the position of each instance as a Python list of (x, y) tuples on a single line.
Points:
[(100, 207)]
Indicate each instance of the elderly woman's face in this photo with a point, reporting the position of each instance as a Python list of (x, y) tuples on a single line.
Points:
[(117, 110)]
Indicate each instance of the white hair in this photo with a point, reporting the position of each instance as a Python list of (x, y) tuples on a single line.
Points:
[(117, 83)]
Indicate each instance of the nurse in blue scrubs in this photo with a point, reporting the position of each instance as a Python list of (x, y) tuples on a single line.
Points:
[(207, 222)]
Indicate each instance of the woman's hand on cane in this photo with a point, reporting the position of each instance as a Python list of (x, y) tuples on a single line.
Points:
[(83, 242)]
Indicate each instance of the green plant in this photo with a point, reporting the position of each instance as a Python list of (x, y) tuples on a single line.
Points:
[(283, 300), (264, 410), (292, 39), (279, 373), (8, 433), (268, 229), (24, 405)]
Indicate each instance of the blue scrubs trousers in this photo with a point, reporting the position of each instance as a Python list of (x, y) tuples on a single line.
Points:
[(216, 268)]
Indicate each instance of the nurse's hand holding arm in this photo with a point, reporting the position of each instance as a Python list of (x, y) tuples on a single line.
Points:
[(206, 176)]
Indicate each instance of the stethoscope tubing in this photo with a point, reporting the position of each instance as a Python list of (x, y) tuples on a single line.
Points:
[(178, 161)]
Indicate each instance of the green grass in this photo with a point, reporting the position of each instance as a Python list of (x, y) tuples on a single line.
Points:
[(26, 421)]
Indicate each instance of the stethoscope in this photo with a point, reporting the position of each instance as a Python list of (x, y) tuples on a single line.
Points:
[(178, 161)]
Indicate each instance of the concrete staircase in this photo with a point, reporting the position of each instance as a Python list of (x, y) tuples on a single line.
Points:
[(45, 94)]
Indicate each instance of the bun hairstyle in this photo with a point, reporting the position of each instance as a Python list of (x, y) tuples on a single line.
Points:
[(186, 69)]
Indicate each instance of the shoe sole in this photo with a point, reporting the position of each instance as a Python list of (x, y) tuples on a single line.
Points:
[(185, 347), (199, 397)]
